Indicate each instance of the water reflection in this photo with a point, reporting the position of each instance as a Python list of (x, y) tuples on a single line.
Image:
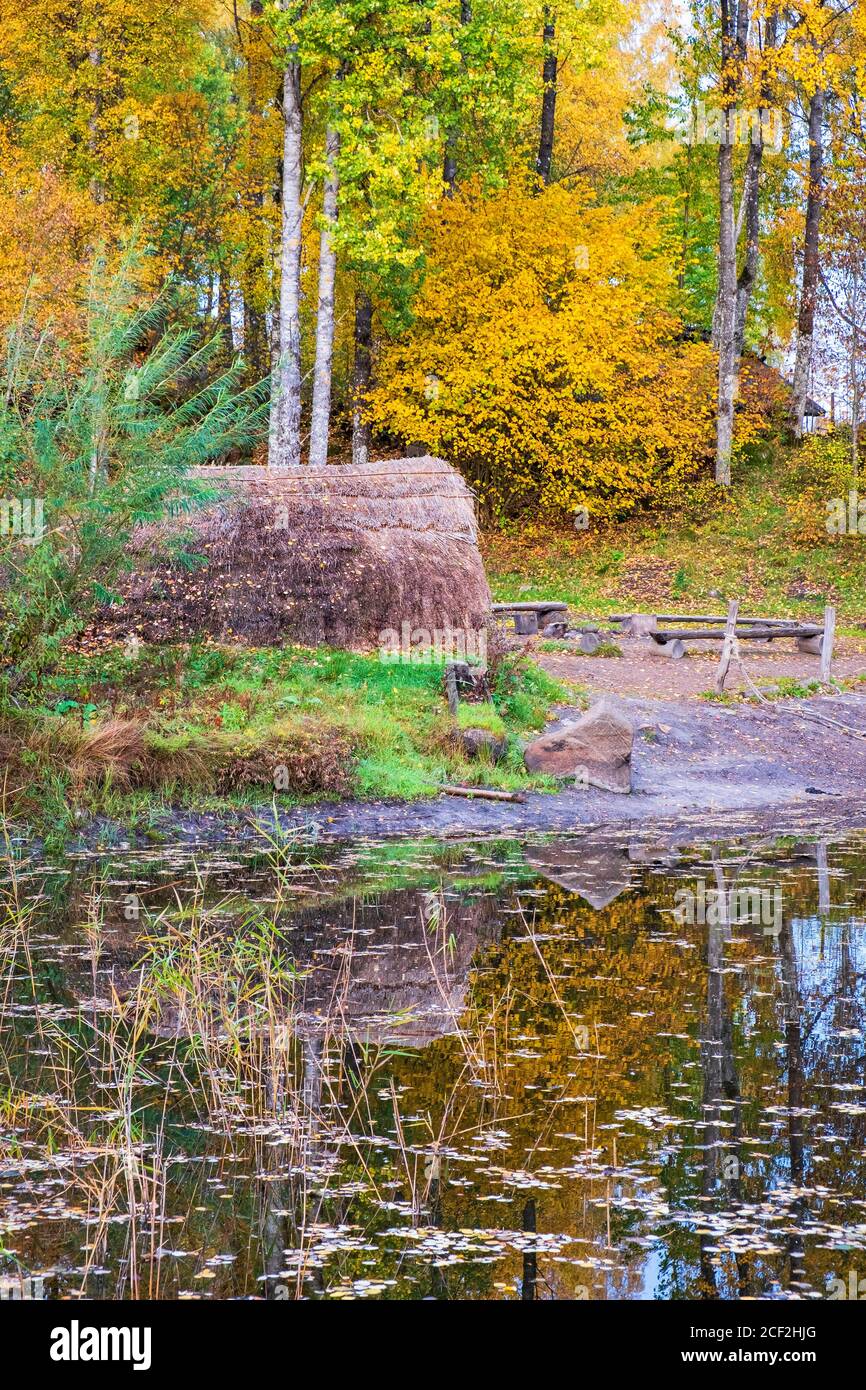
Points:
[(577, 1068)]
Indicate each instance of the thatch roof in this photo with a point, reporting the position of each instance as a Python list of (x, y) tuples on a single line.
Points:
[(335, 555)]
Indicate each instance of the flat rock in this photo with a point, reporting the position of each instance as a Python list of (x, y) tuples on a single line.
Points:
[(595, 750)]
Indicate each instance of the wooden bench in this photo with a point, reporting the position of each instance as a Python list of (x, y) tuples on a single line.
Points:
[(529, 618), (747, 629)]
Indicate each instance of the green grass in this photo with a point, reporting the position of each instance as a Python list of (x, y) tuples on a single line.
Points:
[(764, 541), (209, 709)]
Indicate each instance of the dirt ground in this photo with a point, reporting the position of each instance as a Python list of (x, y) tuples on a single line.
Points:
[(643, 671)]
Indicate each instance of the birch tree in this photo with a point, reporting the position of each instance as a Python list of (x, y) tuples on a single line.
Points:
[(321, 413), (284, 439), (811, 264), (735, 18)]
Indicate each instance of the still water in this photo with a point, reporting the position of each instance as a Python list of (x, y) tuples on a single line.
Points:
[(569, 1068)]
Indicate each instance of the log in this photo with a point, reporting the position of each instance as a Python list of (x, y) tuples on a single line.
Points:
[(753, 634), (482, 793), (704, 618), (540, 607), (675, 650), (639, 625)]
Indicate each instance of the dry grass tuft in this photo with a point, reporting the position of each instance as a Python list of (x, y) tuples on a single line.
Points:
[(307, 760)]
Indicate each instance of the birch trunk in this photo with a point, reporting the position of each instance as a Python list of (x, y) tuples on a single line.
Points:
[(726, 312), (751, 206), (449, 164), (322, 375), (361, 374), (749, 273), (735, 37), (253, 273), (285, 423), (811, 265)]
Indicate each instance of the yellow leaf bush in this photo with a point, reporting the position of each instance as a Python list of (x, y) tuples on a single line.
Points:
[(546, 358)]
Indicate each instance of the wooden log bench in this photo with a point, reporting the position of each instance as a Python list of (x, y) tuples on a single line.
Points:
[(530, 618), (533, 617), (745, 632), (815, 638), (713, 629)]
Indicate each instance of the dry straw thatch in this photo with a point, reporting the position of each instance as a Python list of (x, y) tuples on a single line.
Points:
[(335, 555)]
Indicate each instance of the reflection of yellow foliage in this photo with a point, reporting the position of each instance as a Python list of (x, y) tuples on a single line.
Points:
[(561, 377)]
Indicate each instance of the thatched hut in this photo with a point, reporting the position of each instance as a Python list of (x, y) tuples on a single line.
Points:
[(334, 555)]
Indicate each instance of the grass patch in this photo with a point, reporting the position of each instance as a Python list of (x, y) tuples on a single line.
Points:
[(207, 727), (765, 540)]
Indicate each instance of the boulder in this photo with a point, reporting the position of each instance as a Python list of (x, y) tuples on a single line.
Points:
[(481, 743), (595, 750)]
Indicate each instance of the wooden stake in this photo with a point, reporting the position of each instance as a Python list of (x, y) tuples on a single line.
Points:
[(451, 688), (827, 643), (728, 644)]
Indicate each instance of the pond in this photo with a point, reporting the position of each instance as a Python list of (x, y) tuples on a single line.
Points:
[(584, 1067)]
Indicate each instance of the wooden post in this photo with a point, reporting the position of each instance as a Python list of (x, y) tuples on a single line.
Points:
[(451, 688), (728, 644), (827, 642)]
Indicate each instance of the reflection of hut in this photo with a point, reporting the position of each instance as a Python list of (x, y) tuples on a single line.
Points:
[(393, 968), (599, 877), (335, 555), (396, 968)]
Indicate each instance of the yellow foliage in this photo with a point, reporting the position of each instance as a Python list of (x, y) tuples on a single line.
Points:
[(47, 232), (546, 359)]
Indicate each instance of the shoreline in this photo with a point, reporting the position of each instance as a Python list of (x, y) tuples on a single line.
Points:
[(696, 767)]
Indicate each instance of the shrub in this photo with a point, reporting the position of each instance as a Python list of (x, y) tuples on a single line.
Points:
[(547, 360)]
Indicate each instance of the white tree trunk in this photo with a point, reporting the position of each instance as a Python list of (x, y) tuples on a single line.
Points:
[(727, 305), (321, 417), (811, 265), (285, 422), (361, 374)]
